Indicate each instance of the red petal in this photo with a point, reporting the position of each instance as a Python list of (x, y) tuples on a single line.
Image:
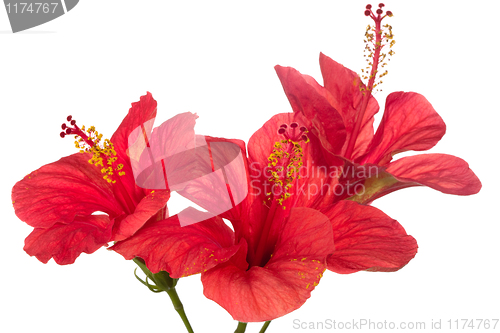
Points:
[(445, 173), (138, 114), (149, 206), (304, 98), (286, 282), (60, 191), (181, 251), (65, 242), (344, 87), (367, 239), (409, 123)]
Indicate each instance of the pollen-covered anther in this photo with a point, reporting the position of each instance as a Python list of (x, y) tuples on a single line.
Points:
[(285, 161)]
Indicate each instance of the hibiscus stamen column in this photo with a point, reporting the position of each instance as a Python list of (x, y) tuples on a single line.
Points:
[(377, 37), (283, 169)]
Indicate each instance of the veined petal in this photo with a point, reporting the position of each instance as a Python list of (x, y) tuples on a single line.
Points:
[(181, 251), (65, 242), (327, 124), (445, 173), (409, 123), (286, 281), (62, 190), (367, 239), (345, 88)]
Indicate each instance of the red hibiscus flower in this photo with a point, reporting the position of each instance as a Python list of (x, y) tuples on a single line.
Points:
[(85, 200), (284, 230), (340, 115)]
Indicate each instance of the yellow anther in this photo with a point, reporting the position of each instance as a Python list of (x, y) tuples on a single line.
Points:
[(285, 161), (376, 40)]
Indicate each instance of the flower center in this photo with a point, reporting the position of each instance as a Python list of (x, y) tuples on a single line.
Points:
[(283, 168), (89, 141), (377, 37)]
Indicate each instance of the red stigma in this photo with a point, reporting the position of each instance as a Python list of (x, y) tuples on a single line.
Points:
[(294, 133), (378, 15), (67, 130)]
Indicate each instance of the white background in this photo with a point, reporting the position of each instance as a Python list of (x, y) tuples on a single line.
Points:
[(216, 59)]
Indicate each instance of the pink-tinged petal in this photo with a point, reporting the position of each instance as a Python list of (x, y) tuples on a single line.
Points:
[(367, 239), (181, 251), (209, 171), (326, 122), (445, 173), (218, 178), (345, 90), (149, 206), (60, 191), (65, 242), (153, 155), (409, 123), (286, 281)]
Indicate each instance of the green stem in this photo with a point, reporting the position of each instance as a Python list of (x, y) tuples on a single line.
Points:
[(241, 327), (264, 328), (163, 282), (179, 308)]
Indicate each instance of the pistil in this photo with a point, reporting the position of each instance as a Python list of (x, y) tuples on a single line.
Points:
[(374, 58)]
